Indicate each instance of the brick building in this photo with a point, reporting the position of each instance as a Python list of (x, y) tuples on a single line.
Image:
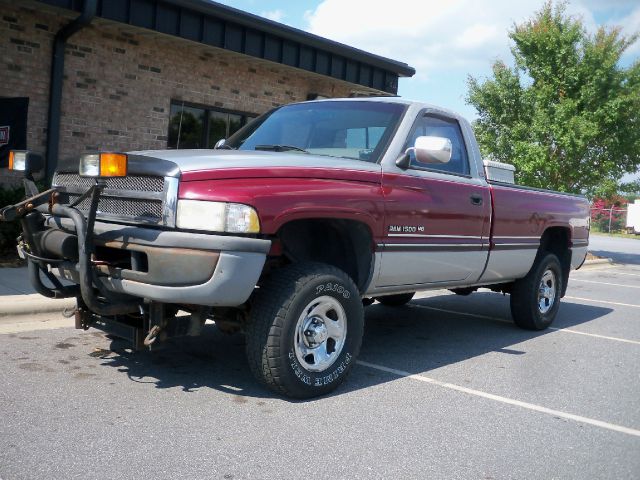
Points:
[(155, 74)]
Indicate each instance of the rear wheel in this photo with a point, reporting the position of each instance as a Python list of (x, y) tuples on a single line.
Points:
[(396, 300), (305, 330), (535, 299)]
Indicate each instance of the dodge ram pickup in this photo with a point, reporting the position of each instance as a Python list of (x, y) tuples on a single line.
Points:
[(288, 228)]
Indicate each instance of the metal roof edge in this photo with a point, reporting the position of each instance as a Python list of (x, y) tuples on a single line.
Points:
[(286, 32), (291, 33)]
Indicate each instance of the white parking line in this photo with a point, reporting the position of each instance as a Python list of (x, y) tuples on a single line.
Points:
[(606, 302), (606, 337), (509, 401), (605, 283), (503, 320)]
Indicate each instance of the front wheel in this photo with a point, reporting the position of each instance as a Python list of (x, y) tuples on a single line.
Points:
[(535, 299), (305, 330)]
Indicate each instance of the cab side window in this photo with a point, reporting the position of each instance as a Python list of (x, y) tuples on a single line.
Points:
[(440, 127)]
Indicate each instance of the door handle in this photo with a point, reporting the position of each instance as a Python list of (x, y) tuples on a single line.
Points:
[(476, 199)]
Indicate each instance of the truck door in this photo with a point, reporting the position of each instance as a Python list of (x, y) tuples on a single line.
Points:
[(437, 216)]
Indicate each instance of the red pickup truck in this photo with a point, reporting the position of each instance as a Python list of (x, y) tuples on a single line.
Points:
[(290, 227)]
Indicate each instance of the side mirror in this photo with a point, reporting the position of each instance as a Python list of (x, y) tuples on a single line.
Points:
[(25, 163), (428, 150), (219, 143)]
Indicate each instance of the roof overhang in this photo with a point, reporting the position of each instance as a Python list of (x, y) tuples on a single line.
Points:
[(231, 29)]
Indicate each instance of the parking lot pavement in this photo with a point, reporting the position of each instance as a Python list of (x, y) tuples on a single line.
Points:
[(621, 250), (446, 387)]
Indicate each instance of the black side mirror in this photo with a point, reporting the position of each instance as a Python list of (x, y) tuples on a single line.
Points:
[(403, 161)]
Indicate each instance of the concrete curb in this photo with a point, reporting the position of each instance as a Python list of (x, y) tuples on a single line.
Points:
[(599, 261), (12, 305)]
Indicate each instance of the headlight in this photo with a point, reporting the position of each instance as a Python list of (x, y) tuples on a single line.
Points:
[(217, 217)]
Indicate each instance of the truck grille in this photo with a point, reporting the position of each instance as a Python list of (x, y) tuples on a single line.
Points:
[(130, 199), (131, 183)]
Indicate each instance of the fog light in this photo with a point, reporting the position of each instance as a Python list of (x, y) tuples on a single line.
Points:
[(25, 162)]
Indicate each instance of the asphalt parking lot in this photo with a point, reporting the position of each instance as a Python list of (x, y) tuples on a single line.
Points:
[(446, 387)]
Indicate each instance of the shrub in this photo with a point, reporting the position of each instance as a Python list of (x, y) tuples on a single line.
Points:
[(603, 208)]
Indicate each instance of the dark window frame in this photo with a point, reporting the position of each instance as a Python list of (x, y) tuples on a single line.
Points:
[(246, 116), (428, 113)]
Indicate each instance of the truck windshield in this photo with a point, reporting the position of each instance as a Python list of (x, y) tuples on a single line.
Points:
[(348, 129)]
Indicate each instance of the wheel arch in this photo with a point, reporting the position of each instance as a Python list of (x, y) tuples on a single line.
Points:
[(557, 240), (343, 243)]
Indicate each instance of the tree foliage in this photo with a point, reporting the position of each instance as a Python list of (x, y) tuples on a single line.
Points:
[(567, 115)]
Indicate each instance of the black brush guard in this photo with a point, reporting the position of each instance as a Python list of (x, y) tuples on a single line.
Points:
[(96, 306), (40, 249), (116, 314)]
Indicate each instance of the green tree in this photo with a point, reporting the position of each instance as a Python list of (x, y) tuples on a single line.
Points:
[(567, 115)]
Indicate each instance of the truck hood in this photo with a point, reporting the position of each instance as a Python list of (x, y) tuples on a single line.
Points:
[(216, 164)]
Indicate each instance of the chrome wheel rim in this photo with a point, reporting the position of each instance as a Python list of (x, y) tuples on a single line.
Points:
[(547, 292), (320, 333)]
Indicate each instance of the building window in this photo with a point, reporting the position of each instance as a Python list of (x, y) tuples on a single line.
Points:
[(194, 126)]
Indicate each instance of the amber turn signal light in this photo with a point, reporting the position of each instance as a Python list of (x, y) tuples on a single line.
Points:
[(113, 165)]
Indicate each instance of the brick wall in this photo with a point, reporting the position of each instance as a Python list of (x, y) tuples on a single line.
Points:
[(119, 81), (26, 37)]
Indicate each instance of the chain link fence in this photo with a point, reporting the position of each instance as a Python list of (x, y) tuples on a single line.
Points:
[(609, 220)]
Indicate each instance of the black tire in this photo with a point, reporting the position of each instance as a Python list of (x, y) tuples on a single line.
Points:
[(530, 309), (396, 300), (274, 338)]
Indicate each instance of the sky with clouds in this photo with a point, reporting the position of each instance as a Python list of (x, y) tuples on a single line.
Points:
[(445, 41)]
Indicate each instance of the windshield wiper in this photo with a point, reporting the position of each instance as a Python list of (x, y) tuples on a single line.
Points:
[(280, 148)]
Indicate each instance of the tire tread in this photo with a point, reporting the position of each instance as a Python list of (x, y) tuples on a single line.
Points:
[(268, 311), (524, 313)]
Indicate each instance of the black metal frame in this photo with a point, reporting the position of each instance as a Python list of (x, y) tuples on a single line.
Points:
[(96, 306), (28, 212)]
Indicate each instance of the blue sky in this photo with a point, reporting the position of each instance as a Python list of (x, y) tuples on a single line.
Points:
[(444, 40)]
